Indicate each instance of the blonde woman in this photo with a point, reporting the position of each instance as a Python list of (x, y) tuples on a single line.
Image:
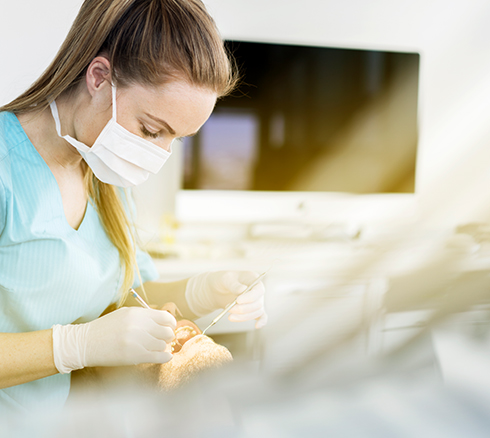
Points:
[(131, 76)]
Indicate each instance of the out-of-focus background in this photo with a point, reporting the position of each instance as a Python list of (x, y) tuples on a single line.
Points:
[(355, 157)]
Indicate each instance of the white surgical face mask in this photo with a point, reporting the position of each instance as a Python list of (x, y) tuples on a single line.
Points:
[(118, 156)]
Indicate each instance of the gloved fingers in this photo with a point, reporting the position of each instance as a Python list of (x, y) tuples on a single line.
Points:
[(149, 343), (255, 294), (231, 284), (247, 277), (160, 332), (246, 316), (248, 308), (157, 357), (236, 282), (163, 357), (262, 321), (163, 318)]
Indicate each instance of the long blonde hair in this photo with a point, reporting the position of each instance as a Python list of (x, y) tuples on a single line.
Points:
[(148, 42)]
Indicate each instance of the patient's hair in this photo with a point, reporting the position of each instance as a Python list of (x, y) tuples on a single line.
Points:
[(148, 42)]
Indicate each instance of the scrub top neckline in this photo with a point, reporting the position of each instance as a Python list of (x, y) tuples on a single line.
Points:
[(54, 180)]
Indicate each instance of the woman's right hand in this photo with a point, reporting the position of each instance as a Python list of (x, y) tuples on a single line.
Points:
[(127, 336)]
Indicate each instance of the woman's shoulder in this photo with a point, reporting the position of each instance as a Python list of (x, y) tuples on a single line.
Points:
[(10, 135), (5, 122)]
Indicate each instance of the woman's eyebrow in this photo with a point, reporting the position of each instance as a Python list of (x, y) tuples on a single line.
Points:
[(162, 122)]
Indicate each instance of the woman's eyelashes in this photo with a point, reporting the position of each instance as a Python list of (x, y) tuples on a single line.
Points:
[(156, 135), (147, 133)]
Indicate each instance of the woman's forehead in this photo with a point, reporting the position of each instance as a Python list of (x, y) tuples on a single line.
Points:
[(183, 106), (176, 91)]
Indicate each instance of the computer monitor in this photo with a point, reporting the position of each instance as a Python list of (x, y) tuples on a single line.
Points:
[(307, 128)]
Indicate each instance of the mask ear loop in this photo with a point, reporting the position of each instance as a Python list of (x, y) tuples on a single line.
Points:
[(56, 117), (114, 109)]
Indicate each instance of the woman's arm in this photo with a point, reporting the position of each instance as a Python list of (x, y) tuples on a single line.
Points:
[(159, 294), (25, 357)]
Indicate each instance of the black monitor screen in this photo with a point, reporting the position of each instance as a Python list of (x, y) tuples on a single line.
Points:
[(311, 119)]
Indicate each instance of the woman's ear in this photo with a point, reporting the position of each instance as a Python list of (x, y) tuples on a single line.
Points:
[(98, 72)]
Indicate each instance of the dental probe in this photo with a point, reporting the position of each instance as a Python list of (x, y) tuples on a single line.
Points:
[(138, 298), (233, 303)]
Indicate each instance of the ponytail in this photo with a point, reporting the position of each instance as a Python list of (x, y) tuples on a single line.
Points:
[(148, 42)]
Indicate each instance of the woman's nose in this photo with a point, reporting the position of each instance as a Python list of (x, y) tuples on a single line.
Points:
[(168, 146)]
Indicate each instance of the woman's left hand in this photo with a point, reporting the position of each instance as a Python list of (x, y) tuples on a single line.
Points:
[(215, 290)]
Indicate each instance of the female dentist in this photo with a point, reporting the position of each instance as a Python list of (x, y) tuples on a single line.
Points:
[(131, 76)]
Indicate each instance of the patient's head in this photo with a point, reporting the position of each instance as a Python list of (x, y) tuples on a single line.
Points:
[(192, 352)]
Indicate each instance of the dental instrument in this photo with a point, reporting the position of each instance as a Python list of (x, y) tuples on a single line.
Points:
[(234, 302), (138, 298)]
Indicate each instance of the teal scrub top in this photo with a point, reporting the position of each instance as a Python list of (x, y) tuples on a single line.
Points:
[(50, 273)]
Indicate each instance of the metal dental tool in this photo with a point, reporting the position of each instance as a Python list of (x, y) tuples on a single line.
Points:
[(233, 303), (138, 298)]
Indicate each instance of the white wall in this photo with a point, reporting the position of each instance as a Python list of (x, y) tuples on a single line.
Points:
[(31, 32), (453, 37)]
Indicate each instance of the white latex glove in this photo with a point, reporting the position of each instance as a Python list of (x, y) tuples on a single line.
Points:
[(127, 336), (215, 290)]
